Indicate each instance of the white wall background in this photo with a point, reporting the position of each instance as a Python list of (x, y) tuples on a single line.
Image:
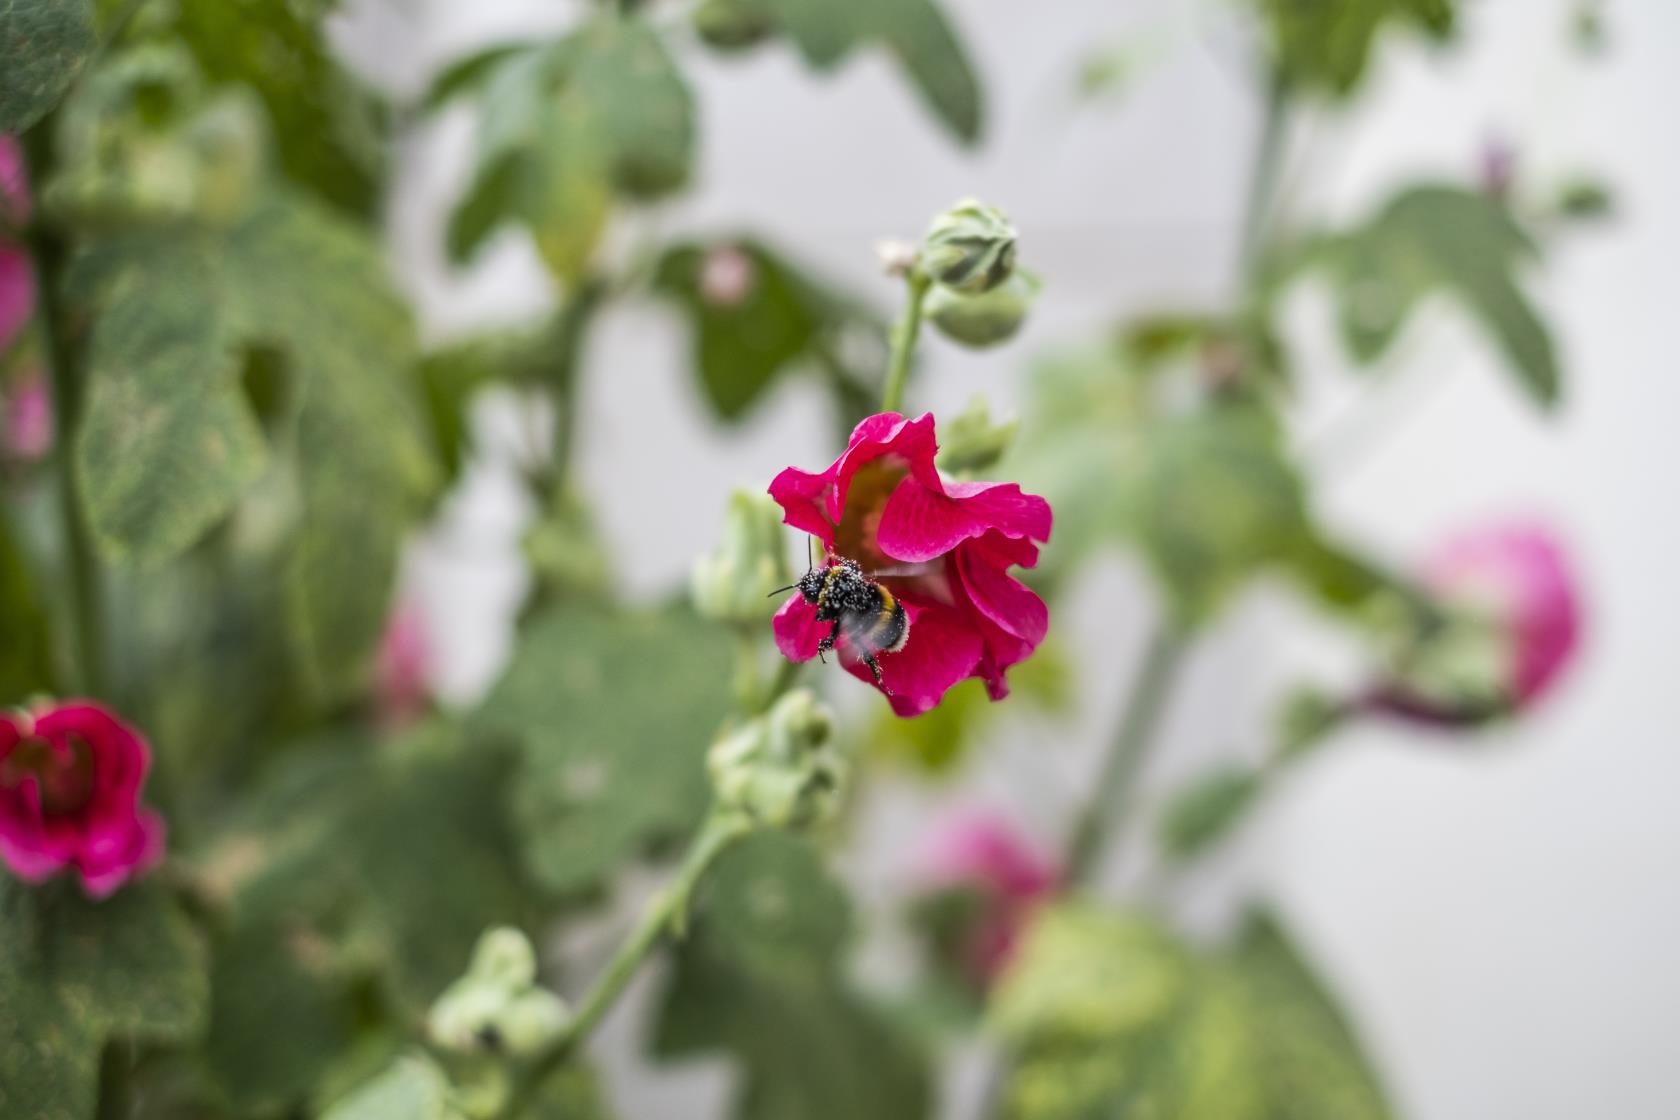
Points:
[(1503, 916)]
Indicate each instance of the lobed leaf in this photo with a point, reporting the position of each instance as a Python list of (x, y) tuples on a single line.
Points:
[(43, 46)]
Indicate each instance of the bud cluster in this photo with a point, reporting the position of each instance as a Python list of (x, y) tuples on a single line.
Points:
[(979, 298), (780, 769)]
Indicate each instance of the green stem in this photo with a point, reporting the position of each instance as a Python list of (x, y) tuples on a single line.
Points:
[(571, 331), (667, 912), (1116, 785), (904, 341), (47, 255), (1262, 184)]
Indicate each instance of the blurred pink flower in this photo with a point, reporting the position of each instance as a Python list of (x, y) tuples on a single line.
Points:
[(979, 853), (70, 778), (727, 276), (1517, 576), (17, 281), (402, 687), (1497, 167), (943, 549), (27, 430), (1519, 571)]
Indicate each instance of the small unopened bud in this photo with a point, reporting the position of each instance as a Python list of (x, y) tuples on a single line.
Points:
[(972, 441), (780, 769), (497, 1007), (733, 583), (970, 247), (504, 956), (985, 318)]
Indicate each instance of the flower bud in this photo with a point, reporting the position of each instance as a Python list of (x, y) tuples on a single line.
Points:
[(733, 583), (730, 25), (780, 769), (497, 1007), (985, 318), (972, 442), (970, 247)]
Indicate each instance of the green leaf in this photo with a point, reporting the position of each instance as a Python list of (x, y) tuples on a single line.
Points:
[(741, 340), (612, 715), (762, 975), (1110, 1016), (916, 32), (412, 1089), (364, 467), (356, 881), (43, 46), (1313, 1065), (1206, 810), (566, 125), (1326, 47), (328, 128), (77, 974), (167, 444), (1217, 501), (1443, 239), (280, 1015)]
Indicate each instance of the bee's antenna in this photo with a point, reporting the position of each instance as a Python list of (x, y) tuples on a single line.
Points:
[(810, 550), (779, 590)]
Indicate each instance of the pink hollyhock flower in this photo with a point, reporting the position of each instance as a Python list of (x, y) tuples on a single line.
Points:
[(980, 855), (402, 685), (942, 549), (70, 778), (1517, 578), (17, 281), (26, 429)]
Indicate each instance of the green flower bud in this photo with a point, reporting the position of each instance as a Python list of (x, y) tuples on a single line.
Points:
[(971, 441), (531, 1021), (733, 583), (970, 247), (984, 318), (729, 25), (504, 956), (497, 1007), (780, 769)]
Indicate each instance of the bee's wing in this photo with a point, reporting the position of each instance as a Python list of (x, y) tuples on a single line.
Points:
[(861, 631)]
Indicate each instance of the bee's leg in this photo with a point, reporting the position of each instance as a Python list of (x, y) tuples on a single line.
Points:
[(874, 667), (826, 642)]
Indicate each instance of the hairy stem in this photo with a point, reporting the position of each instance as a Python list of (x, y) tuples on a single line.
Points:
[(1092, 836), (904, 341), (47, 253), (667, 911)]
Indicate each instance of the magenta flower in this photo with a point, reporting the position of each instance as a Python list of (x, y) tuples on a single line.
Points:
[(979, 855), (403, 672), (70, 778), (26, 426), (1516, 577), (17, 281), (942, 549)]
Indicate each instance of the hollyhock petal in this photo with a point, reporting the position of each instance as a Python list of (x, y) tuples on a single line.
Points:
[(805, 501), (797, 629), (1004, 507), (919, 524), (1008, 603), (944, 648), (980, 852)]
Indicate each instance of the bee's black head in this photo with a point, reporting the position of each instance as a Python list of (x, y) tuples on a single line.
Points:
[(811, 584)]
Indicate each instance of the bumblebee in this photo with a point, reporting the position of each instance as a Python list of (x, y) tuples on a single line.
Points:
[(867, 615)]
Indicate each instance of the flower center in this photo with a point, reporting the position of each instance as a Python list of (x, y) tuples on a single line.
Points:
[(860, 522), (63, 772)]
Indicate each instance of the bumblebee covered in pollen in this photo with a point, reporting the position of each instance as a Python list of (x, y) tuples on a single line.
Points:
[(870, 619)]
